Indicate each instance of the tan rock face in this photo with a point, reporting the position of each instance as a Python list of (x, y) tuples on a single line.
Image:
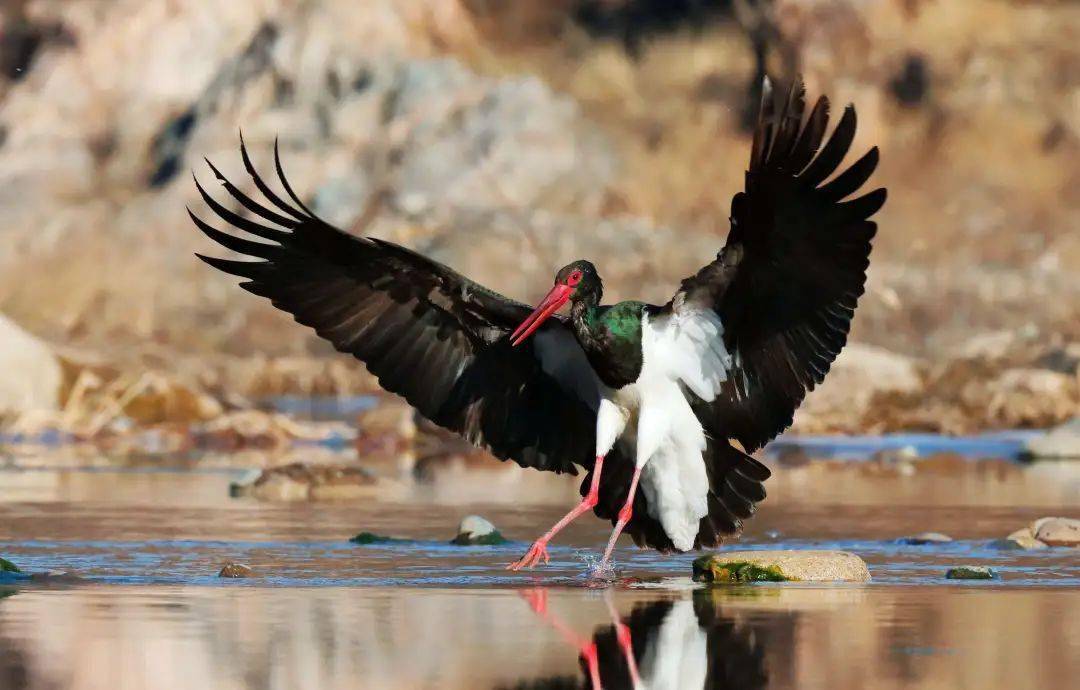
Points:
[(32, 374), (804, 566)]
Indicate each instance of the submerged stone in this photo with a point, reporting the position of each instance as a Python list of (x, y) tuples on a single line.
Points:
[(970, 572), (477, 531), (236, 570), (925, 538), (781, 566), (372, 538)]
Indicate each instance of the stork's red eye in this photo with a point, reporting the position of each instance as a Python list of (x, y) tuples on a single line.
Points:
[(574, 278)]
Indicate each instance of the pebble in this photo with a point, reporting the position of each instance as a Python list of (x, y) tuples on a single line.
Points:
[(475, 530), (925, 538), (970, 572), (236, 570)]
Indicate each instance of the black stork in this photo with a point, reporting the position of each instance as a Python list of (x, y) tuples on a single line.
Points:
[(638, 395)]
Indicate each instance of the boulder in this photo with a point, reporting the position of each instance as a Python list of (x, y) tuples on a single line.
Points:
[(475, 530), (236, 570), (1057, 531), (780, 566), (39, 374), (970, 572), (924, 538), (1060, 442)]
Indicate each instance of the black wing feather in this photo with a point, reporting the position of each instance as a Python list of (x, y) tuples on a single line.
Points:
[(789, 278), (427, 332)]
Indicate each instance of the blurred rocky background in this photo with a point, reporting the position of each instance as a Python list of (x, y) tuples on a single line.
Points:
[(506, 137)]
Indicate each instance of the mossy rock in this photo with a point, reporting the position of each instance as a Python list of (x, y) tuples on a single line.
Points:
[(970, 572), (365, 538), (7, 566), (781, 566), (712, 569), (490, 539)]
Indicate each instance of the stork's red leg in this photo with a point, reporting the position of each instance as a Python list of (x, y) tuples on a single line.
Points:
[(539, 548), (624, 517)]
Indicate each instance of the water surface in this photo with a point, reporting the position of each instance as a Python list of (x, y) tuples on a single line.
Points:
[(143, 607)]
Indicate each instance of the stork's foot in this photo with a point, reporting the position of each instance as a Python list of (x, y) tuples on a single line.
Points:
[(532, 557)]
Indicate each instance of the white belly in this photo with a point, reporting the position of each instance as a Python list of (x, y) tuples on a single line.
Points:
[(669, 442)]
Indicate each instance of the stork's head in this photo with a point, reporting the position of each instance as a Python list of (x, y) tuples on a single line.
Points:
[(575, 282)]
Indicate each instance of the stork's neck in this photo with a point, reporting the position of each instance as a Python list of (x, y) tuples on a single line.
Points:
[(611, 338)]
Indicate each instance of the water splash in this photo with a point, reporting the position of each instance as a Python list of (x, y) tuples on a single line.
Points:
[(597, 570)]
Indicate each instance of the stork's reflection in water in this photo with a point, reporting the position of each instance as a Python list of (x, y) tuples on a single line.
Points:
[(669, 644)]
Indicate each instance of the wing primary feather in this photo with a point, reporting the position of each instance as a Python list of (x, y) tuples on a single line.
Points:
[(763, 131), (239, 221), (788, 127), (833, 152), (809, 140), (864, 206), (237, 244), (849, 181), (242, 269), (249, 203), (285, 182), (264, 188)]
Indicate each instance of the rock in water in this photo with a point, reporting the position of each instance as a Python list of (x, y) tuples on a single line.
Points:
[(1060, 442), (365, 538), (970, 572), (475, 530), (37, 387), (1021, 539), (1057, 531), (312, 482), (236, 570), (781, 566), (7, 566), (924, 538)]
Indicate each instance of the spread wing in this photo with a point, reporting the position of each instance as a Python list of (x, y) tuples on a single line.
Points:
[(428, 333), (783, 290)]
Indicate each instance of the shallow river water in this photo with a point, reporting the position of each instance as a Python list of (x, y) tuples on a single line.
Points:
[(142, 606)]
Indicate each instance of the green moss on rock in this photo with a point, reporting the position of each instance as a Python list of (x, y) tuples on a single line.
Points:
[(7, 566), (713, 569), (969, 572), (365, 538)]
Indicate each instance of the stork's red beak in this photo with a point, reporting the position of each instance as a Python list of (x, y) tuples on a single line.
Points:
[(559, 295)]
